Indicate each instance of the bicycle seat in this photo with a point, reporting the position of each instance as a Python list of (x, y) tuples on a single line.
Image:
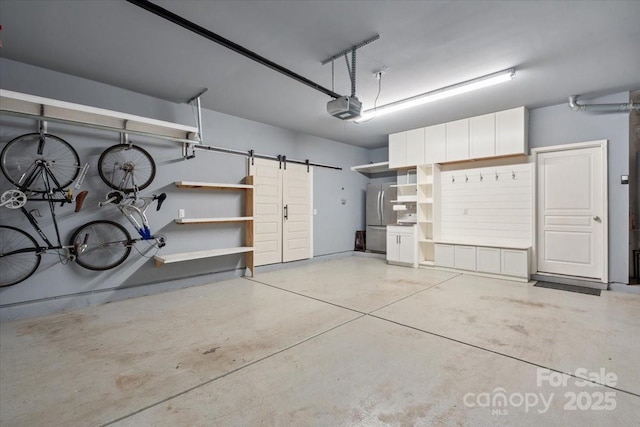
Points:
[(80, 199), (161, 198)]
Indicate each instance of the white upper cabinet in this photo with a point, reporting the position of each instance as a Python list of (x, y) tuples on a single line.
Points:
[(490, 135), (457, 140), (434, 144), (397, 150), (415, 147), (511, 131), (482, 136)]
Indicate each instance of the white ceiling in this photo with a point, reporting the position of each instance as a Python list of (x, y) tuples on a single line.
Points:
[(559, 49)]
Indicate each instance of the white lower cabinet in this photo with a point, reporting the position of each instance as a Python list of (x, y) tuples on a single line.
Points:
[(464, 257), (444, 255), (488, 260), (512, 262), (402, 245)]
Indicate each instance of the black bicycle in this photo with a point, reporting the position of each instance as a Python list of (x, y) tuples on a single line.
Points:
[(42, 167)]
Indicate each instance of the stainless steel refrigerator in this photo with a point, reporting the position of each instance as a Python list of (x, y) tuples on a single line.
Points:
[(380, 213)]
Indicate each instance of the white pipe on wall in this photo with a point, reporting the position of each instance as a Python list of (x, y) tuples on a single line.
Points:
[(573, 104)]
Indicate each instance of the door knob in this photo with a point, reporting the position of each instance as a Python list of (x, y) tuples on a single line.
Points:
[(597, 219)]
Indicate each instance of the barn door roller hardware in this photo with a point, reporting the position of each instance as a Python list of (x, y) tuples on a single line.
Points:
[(201, 31), (625, 106)]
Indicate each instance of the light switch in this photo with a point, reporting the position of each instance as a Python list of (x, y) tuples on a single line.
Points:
[(624, 179)]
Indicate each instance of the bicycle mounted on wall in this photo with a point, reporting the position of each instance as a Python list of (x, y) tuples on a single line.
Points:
[(42, 167)]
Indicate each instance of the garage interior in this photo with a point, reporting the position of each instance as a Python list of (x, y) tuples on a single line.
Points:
[(306, 260)]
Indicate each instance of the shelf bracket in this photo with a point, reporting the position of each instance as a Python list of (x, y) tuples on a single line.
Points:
[(42, 124), (251, 157), (306, 162), (199, 110)]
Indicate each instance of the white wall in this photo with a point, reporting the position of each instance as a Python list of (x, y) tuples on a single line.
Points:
[(558, 125), (56, 286)]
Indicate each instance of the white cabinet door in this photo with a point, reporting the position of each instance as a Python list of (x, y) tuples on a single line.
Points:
[(415, 147), (397, 150), (408, 247), (457, 140), (435, 144), (515, 262), (511, 131), (393, 247), (482, 136), (464, 257), (488, 260), (444, 255)]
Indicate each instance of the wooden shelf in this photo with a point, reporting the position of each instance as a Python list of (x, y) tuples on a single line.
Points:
[(249, 203), (209, 253), (41, 108), (212, 186), (372, 168), (403, 185), (213, 220)]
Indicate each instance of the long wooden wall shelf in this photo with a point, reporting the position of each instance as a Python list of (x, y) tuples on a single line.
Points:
[(209, 253), (212, 186), (40, 108), (213, 220)]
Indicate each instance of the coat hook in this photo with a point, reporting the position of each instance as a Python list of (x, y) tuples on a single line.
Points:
[(466, 178), (513, 175), (496, 176), (453, 179), (481, 177)]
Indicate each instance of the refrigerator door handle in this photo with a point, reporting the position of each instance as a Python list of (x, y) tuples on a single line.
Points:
[(378, 207), (382, 209)]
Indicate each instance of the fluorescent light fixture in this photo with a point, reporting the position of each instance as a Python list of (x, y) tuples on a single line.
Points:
[(442, 93)]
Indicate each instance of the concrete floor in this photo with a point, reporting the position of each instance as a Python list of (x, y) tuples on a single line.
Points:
[(343, 342)]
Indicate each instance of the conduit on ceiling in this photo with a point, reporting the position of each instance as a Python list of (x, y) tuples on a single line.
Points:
[(625, 106), (201, 31)]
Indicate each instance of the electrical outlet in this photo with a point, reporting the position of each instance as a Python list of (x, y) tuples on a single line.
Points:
[(180, 213)]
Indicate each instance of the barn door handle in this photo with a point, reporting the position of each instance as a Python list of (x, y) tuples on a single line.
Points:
[(597, 219), (286, 211)]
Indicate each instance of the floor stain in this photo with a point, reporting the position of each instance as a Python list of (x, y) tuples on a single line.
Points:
[(519, 301), (132, 381), (472, 319), (211, 350), (497, 342), (520, 329), (409, 417), (52, 326)]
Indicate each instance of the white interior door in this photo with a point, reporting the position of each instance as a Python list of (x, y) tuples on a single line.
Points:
[(267, 232), (571, 232), (296, 227)]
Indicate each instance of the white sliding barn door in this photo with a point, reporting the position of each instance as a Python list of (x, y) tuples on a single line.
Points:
[(267, 194), (296, 230), (572, 227), (282, 221)]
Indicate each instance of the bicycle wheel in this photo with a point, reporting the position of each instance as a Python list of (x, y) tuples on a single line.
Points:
[(19, 255), (126, 168), (27, 154), (101, 245)]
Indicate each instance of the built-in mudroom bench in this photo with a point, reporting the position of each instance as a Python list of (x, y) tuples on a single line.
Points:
[(485, 259)]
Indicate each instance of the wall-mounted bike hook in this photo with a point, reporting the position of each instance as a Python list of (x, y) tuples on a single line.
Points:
[(185, 151)]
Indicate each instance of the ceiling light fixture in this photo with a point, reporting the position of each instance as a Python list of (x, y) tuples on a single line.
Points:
[(435, 95)]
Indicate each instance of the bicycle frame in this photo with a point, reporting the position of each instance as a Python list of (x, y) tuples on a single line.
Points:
[(135, 214)]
